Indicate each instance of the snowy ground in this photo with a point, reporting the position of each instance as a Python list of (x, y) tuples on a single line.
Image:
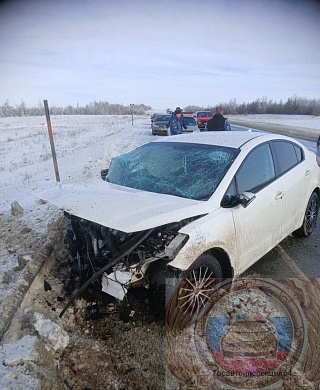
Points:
[(84, 145), (303, 121)]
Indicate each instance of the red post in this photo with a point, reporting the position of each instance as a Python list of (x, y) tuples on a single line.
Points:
[(53, 151)]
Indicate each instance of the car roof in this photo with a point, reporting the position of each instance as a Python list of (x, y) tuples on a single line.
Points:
[(232, 139)]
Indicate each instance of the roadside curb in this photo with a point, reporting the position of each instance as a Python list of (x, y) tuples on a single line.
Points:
[(42, 251), (11, 303)]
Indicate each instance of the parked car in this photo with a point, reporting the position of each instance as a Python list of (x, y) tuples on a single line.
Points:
[(158, 125), (190, 122), (202, 118), (189, 206)]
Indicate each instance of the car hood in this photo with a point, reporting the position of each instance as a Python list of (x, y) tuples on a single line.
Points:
[(122, 208), (191, 128)]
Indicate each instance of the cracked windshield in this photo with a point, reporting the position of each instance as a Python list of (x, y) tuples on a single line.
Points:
[(190, 171)]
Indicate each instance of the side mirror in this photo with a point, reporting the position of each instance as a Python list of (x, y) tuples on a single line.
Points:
[(229, 201), (104, 173), (246, 198)]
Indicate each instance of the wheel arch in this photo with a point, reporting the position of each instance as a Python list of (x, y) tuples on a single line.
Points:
[(224, 261), (317, 191)]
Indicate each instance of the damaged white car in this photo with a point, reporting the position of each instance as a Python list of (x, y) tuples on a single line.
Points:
[(207, 205)]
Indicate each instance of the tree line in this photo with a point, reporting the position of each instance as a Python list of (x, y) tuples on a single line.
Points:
[(93, 108), (295, 105)]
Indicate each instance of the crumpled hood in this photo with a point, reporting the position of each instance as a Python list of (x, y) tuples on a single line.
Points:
[(122, 208)]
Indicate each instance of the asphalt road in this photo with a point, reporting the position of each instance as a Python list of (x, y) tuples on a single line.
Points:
[(294, 256)]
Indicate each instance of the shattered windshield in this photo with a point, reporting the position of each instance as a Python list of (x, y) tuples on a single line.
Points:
[(187, 170)]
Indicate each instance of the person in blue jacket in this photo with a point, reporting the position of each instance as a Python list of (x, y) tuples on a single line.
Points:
[(175, 125)]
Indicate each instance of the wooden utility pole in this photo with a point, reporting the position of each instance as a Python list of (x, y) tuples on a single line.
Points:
[(53, 151)]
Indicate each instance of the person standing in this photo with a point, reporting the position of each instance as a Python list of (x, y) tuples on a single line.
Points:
[(218, 122), (175, 125)]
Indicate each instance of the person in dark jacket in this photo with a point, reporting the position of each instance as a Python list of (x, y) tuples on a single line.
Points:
[(175, 125), (218, 122)]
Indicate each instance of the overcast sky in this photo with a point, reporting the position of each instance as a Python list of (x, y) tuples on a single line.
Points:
[(160, 53)]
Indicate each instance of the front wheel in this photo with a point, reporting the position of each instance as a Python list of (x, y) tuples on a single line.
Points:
[(198, 282), (310, 217)]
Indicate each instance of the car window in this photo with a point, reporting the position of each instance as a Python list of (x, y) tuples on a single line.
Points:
[(189, 121), (285, 154), (299, 153), (161, 118), (256, 171), (204, 114), (187, 170)]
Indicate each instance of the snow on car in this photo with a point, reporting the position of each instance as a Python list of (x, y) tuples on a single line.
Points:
[(205, 204)]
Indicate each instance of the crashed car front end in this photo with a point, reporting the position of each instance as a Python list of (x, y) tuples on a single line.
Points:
[(94, 246)]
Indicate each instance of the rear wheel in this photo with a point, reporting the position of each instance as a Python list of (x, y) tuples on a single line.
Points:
[(310, 217)]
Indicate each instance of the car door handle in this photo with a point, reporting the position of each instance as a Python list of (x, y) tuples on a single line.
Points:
[(280, 195), (307, 172)]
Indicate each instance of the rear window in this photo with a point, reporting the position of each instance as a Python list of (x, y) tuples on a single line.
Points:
[(162, 118), (287, 155)]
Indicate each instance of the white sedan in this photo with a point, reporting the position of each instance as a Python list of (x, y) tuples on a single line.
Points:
[(206, 204)]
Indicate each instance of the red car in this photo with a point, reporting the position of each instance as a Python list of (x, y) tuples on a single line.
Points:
[(202, 118)]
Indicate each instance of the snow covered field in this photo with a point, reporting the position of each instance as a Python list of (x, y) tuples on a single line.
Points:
[(303, 121), (84, 145)]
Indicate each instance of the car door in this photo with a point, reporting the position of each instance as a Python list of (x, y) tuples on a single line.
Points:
[(290, 164), (258, 226)]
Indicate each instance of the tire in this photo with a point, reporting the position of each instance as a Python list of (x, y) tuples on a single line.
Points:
[(202, 275), (204, 261), (310, 217)]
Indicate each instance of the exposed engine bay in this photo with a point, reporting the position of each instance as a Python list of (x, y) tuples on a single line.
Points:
[(142, 255)]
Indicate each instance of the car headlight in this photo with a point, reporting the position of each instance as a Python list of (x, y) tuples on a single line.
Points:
[(176, 245)]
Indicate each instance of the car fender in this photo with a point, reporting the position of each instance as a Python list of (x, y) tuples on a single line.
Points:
[(214, 230), (314, 184)]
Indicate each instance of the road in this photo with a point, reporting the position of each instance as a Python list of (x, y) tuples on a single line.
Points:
[(294, 256)]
